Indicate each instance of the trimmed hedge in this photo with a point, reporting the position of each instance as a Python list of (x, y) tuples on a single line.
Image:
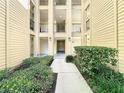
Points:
[(29, 62), (47, 60), (91, 58), (32, 76), (32, 80), (93, 63)]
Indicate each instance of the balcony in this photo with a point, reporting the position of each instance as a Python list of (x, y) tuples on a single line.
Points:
[(43, 2), (43, 28), (76, 28), (60, 26), (60, 2), (60, 30), (76, 2)]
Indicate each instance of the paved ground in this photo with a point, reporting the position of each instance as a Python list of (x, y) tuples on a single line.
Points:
[(69, 79)]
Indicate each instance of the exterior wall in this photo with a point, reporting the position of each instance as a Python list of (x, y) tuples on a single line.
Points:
[(76, 15), (13, 25), (2, 32), (76, 41), (103, 23), (44, 46), (107, 25), (121, 34), (18, 44)]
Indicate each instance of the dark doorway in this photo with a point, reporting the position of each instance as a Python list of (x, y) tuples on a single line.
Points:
[(60, 46)]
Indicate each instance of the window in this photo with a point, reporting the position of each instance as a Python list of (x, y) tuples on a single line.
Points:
[(76, 28), (87, 11), (32, 16), (88, 25)]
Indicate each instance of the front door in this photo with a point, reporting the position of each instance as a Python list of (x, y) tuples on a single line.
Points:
[(60, 46)]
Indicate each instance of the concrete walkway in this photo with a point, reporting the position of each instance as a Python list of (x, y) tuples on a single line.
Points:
[(69, 79)]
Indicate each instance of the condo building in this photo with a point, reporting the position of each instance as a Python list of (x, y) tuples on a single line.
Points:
[(50, 27), (55, 26)]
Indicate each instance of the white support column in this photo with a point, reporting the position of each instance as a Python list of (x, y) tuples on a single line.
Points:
[(37, 38), (50, 27), (69, 27)]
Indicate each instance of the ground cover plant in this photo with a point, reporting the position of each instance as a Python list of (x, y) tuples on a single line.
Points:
[(96, 65), (32, 76)]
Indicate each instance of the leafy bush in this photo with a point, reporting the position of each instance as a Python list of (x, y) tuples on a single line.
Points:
[(91, 58), (47, 60), (29, 62), (32, 80), (93, 64), (107, 81), (69, 58), (4, 74), (32, 76), (25, 64)]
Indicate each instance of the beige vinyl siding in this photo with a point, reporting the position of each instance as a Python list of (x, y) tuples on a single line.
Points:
[(121, 34), (2, 32), (103, 23), (18, 34)]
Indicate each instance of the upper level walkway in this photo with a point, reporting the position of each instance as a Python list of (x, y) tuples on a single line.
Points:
[(69, 79)]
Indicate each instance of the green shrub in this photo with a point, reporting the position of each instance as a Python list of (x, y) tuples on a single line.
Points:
[(90, 58), (93, 64), (31, 80), (47, 60), (32, 76), (29, 62), (18, 84), (109, 82), (69, 58), (4, 74)]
